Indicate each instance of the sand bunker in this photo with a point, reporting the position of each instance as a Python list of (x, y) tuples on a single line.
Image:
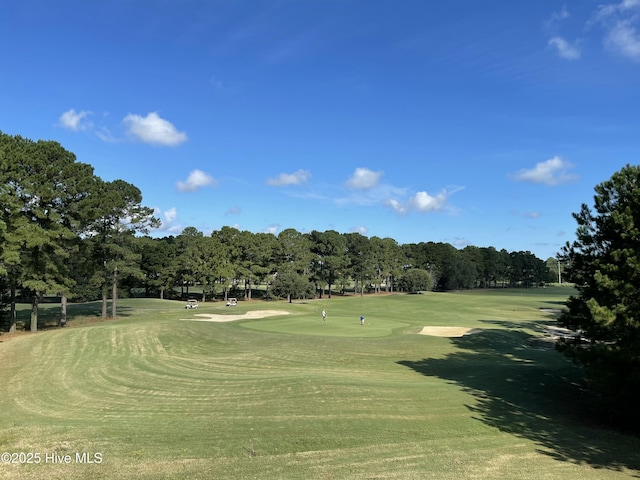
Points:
[(448, 331), (206, 317)]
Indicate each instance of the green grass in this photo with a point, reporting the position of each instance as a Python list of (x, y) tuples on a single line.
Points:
[(294, 397)]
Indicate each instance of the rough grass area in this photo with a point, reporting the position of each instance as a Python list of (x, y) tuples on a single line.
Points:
[(152, 396)]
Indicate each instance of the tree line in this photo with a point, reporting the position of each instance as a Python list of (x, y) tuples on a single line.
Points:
[(66, 232), (295, 264)]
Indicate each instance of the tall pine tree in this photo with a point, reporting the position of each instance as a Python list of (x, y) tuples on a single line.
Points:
[(604, 263)]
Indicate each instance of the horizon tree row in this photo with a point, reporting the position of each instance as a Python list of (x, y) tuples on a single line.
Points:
[(234, 260), (66, 232)]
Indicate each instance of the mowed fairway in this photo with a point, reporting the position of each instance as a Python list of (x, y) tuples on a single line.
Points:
[(160, 396)]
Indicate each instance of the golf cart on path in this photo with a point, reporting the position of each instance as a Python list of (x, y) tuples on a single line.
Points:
[(232, 302)]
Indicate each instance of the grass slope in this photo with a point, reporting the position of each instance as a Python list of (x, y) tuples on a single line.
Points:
[(295, 397)]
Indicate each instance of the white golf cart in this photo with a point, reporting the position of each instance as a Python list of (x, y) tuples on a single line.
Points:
[(193, 303), (232, 302)]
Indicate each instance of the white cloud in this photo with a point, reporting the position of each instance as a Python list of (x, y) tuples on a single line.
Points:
[(273, 229), (363, 179), (154, 130), (624, 39), (564, 48), (396, 206), (170, 215), (74, 121), (233, 211), (421, 202), (196, 180), (550, 172), (620, 22), (362, 230), (169, 218), (295, 178)]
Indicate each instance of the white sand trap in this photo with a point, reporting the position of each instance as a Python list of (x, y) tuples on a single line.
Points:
[(449, 331), (206, 317)]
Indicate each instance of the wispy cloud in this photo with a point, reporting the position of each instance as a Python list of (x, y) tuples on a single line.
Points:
[(170, 215), (196, 180), (273, 229), (620, 22), (364, 179), (557, 16), (170, 222), (461, 242), (365, 197), (362, 230), (295, 178), (609, 10), (104, 134), (554, 171), (625, 40), (565, 49), (153, 130), (397, 206), (75, 121)]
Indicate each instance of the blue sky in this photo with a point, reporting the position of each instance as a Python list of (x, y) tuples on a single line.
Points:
[(472, 123)]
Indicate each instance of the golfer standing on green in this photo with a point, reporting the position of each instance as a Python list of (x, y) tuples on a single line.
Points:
[(361, 320)]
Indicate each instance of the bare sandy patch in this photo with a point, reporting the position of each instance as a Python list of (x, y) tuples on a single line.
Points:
[(207, 317), (449, 331)]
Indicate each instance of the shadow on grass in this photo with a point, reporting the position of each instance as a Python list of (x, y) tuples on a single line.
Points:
[(533, 394), (77, 314)]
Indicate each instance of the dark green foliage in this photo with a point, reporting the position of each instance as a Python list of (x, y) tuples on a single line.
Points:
[(415, 280), (45, 195), (330, 260), (361, 261), (158, 264), (293, 252), (604, 263), (292, 285), (61, 228), (117, 216)]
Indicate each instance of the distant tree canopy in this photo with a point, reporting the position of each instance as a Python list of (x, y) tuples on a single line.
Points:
[(64, 231), (604, 263)]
